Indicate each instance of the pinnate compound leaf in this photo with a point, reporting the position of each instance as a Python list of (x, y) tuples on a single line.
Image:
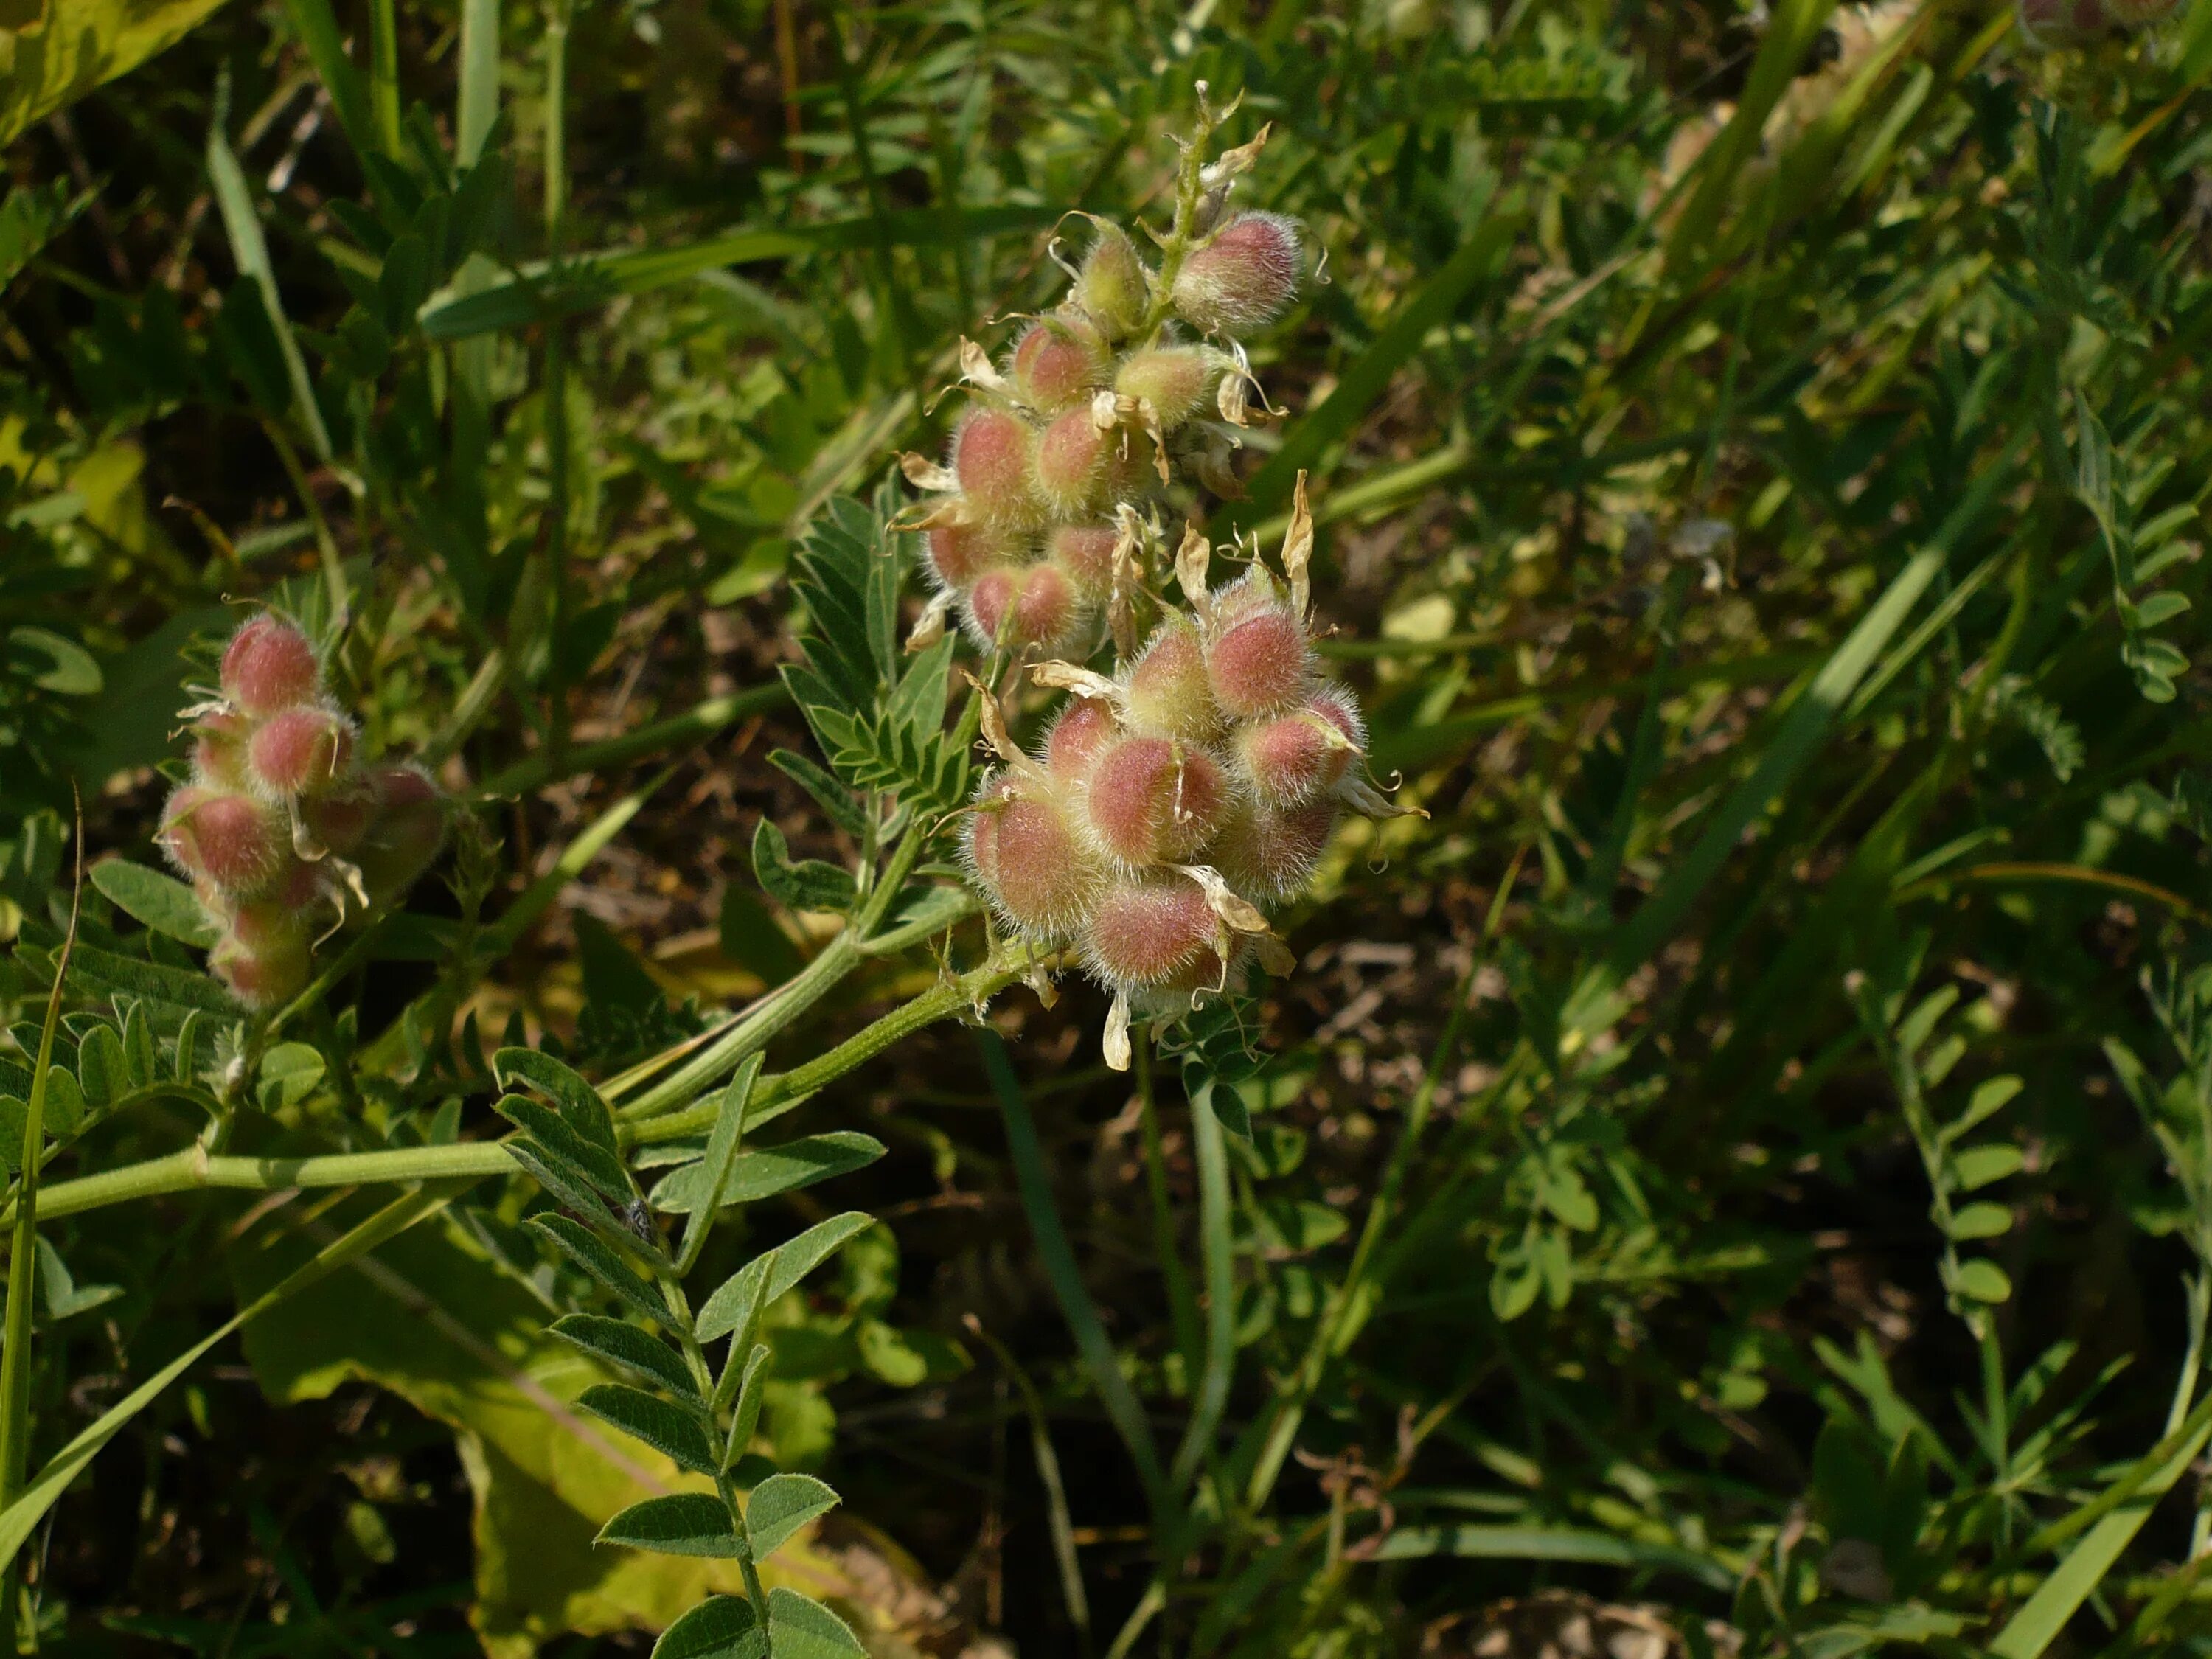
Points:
[(722, 1628), (683, 1523), (579, 1103), (158, 902), (623, 1344), (563, 1185), (801, 1627), (807, 885), (599, 1259), (668, 1429), (581, 1160), (763, 1174)]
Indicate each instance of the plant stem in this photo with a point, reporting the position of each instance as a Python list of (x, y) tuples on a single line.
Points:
[(194, 1167), (558, 576)]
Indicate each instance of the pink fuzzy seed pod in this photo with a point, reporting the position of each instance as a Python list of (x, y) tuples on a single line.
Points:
[(1294, 757), (994, 456), (231, 842), (1243, 278), (270, 666), (1039, 877), (1260, 663), (1165, 692), (405, 834), (1085, 553), (1085, 726), (1269, 855), (1113, 289), (301, 751), (1177, 381), (1059, 363), (261, 978), (219, 739), (1071, 463), (1151, 800), (1020, 608), (338, 818), (959, 553), (1155, 935)]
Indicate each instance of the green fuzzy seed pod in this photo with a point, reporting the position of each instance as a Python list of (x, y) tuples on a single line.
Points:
[(1113, 290)]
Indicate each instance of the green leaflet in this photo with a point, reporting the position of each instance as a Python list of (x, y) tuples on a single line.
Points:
[(70, 46), (780, 1506), (161, 902), (757, 1175), (683, 1523)]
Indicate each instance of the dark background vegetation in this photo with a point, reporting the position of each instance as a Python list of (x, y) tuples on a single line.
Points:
[(1618, 432)]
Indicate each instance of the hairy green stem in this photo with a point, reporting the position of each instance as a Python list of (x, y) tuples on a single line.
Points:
[(195, 1167)]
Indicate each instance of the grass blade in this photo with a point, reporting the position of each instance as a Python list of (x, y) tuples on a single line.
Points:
[(243, 226), (539, 292), (1217, 1254), (23, 1249), (21, 1516), (1802, 733), (1059, 1261)]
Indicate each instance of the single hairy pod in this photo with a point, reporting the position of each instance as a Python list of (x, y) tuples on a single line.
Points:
[(300, 751), (337, 818), (219, 740), (1085, 553), (1244, 277), (270, 925), (1268, 854), (1293, 758), (231, 842), (1059, 361), (1176, 382), (1020, 607), (405, 831), (994, 457), (1258, 660), (1084, 726), (1072, 458), (1027, 857), (959, 553), (269, 667), (1113, 288), (264, 977), (1165, 692), (1153, 801), (1157, 934)]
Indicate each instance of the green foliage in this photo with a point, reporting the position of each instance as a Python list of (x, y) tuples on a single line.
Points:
[(1745, 1153)]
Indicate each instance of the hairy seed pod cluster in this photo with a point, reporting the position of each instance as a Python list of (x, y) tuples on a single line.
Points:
[(1139, 372), (283, 829), (1170, 802)]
